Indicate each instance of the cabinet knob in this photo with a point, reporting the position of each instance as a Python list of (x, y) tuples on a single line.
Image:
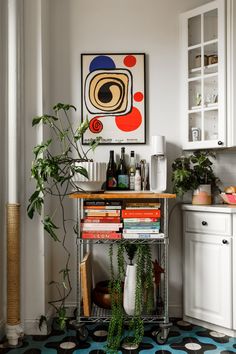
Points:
[(224, 242), (204, 223), (220, 143)]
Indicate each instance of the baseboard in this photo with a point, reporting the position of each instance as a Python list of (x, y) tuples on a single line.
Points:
[(175, 311), (31, 326), (226, 331), (2, 329)]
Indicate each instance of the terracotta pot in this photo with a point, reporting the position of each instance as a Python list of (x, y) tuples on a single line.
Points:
[(202, 195), (101, 295)]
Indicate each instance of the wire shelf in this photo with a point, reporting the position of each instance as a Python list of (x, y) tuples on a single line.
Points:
[(99, 314)]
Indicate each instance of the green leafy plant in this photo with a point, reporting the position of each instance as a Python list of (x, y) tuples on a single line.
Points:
[(56, 161), (188, 172)]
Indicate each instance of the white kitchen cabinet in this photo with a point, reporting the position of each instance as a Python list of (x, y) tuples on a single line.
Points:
[(209, 266), (203, 99)]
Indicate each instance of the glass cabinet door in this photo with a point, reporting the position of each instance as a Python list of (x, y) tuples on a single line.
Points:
[(204, 50)]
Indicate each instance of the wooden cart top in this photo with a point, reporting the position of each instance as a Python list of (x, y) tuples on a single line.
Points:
[(122, 195)]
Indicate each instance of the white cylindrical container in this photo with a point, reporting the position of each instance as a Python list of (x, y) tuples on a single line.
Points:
[(158, 145), (129, 289)]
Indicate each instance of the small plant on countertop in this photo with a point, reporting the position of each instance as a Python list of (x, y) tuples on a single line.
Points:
[(188, 172)]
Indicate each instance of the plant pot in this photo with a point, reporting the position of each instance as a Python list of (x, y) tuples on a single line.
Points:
[(202, 195), (96, 176), (101, 294), (130, 289)]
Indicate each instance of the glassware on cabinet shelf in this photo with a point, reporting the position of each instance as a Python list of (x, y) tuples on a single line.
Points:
[(194, 125)]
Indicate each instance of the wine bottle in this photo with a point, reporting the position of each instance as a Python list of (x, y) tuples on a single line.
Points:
[(111, 181), (122, 172), (131, 171)]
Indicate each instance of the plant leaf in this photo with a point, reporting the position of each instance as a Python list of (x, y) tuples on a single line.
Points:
[(38, 149), (35, 204), (49, 226)]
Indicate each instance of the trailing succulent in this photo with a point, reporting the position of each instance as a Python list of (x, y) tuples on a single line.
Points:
[(56, 161), (143, 294)]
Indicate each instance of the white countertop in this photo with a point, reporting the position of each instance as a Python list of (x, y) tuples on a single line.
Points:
[(215, 208)]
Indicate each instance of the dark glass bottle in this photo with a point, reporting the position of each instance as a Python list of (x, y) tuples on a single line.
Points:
[(122, 172), (111, 179)]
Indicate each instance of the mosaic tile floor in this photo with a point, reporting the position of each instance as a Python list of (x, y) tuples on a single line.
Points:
[(183, 338)]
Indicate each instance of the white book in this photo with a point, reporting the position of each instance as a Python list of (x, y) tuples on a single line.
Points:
[(143, 236), (141, 231), (101, 226)]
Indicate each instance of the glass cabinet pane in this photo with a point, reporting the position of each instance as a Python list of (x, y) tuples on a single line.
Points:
[(210, 25), (210, 91), (211, 53), (194, 62), (194, 126), (211, 125), (194, 30), (195, 95)]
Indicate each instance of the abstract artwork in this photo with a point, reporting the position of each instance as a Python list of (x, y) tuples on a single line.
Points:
[(113, 97)]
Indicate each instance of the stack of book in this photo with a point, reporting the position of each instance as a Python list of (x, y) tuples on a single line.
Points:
[(141, 220), (101, 220)]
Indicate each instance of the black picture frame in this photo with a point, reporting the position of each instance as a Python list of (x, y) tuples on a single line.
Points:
[(113, 97)]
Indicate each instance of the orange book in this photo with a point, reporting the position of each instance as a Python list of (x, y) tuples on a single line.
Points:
[(101, 235)]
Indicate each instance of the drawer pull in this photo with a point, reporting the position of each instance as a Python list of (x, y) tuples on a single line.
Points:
[(204, 223), (224, 242)]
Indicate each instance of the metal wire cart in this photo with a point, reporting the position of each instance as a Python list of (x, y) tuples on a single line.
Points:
[(159, 315)]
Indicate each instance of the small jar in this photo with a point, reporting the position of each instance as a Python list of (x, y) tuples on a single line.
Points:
[(212, 59), (198, 60)]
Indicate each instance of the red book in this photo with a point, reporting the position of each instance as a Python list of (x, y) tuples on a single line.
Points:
[(101, 235), (101, 219), (141, 213)]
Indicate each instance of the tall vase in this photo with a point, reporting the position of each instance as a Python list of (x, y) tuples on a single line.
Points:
[(129, 289)]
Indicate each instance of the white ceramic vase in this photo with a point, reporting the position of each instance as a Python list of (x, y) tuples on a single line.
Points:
[(130, 289), (96, 176)]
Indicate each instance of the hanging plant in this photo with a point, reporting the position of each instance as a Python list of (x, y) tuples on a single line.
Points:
[(143, 294)]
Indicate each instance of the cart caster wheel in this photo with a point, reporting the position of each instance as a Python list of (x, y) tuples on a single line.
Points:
[(160, 338), (82, 334)]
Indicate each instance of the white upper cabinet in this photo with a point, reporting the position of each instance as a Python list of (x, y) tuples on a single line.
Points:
[(203, 98)]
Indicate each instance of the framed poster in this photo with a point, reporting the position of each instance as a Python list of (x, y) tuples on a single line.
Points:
[(113, 97)]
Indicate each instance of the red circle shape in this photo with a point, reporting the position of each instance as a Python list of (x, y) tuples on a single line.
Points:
[(95, 125), (130, 121), (130, 61), (138, 96)]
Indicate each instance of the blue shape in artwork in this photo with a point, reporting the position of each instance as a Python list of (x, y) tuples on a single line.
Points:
[(101, 62)]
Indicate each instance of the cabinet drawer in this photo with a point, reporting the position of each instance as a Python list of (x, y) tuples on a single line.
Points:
[(208, 223)]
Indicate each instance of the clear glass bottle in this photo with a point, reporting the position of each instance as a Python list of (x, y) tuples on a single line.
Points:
[(111, 179), (137, 179), (132, 171), (122, 172)]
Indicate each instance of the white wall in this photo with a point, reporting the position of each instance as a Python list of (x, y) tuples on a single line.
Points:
[(150, 26)]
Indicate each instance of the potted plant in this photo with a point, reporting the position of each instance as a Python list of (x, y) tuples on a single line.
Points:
[(56, 163), (195, 173)]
